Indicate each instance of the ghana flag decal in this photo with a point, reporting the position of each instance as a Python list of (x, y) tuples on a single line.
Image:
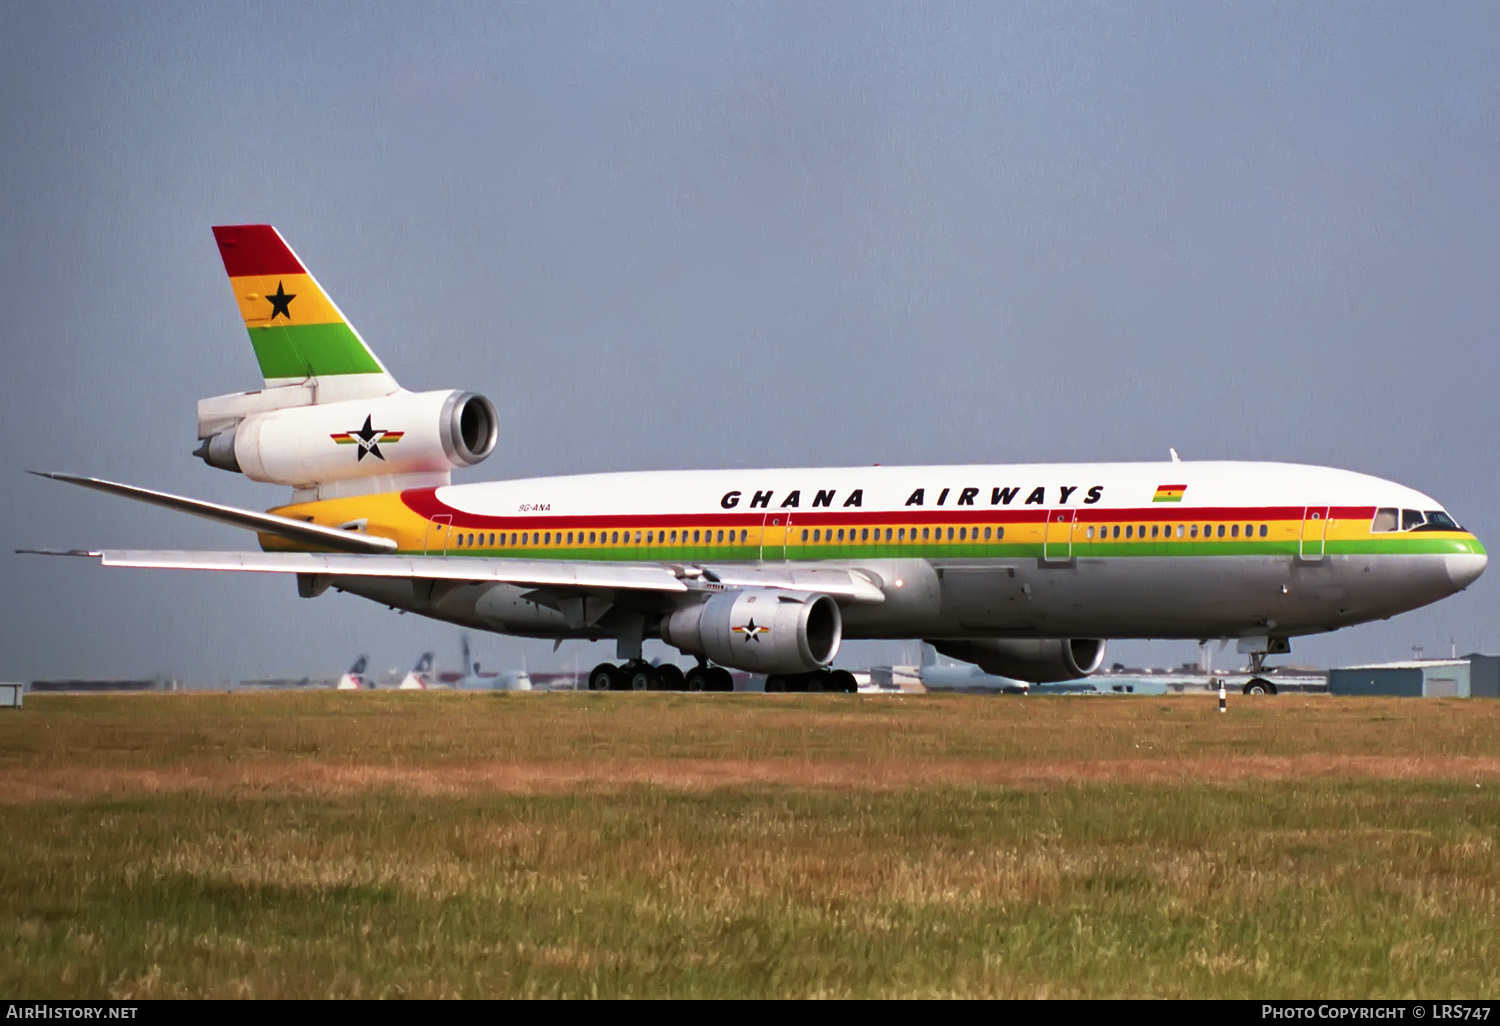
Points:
[(1169, 493), (296, 330)]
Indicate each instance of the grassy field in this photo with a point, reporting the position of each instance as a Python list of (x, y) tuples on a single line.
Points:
[(384, 845)]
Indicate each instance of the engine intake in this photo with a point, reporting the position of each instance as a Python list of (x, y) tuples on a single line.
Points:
[(1041, 661), (761, 630), (401, 433)]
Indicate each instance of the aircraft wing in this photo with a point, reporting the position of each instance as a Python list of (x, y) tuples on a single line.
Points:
[(573, 575), (265, 523)]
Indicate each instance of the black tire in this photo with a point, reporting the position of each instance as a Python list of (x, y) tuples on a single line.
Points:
[(1259, 686), (775, 684), (697, 679), (720, 679), (672, 678), (843, 682), (819, 681), (643, 678), (605, 677)]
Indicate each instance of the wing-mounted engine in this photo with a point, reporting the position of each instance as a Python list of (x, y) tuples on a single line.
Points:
[(1042, 661), (405, 439), (761, 630)]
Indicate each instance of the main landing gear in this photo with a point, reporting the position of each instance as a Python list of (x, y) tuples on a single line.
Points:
[(819, 680), (638, 675), (1258, 685)]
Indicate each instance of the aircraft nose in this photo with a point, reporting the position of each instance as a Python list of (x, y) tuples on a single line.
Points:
[(1464, 570)]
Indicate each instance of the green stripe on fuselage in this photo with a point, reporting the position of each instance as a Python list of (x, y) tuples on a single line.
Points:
[(310, 350)]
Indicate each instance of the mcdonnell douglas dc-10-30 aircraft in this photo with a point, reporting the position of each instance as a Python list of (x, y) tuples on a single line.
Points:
[(1022, 569)]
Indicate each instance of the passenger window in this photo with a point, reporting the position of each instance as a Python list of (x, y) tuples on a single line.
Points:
[(1234, 530), (999, 533), (1410, 519), (1221, 530), (744, 535), (1262, 530), (1116, 531), (1155, 528), (986, 534), (458, 542), (721, 537), (1179, 530), (1193, 531), (887, 534), (1128, 529), (1090, 532), (902, 535), (864, 534), (950, 534), (547, 538), (650, 537), (1386, 519), (570, 537)]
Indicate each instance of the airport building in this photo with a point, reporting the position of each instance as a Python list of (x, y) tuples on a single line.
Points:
[(1473, 675)]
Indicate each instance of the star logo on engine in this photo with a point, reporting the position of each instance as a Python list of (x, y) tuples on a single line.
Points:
[(752, 632), (369, 439)]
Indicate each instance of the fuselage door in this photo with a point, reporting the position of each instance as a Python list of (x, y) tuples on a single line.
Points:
[(1057, 539), (773, 533), (438, 530), (1314, 532)]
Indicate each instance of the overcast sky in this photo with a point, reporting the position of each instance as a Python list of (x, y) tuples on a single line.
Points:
[(711, 234)]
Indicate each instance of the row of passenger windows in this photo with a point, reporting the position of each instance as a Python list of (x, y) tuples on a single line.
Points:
[(821, 535), (1178, 531), (899, 534), (527, 538)]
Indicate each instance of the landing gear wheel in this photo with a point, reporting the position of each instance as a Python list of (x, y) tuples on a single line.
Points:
[(819, 681), (697, 679), (671, 677), (643, 677), (1259, 686), (775, 684), (605, 677), (719, 679), (843, 682)]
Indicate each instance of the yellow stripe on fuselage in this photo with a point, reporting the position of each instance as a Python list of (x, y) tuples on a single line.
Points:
[(307, 305)]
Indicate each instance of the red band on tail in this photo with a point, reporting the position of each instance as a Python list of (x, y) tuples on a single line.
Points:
[(255, 249)]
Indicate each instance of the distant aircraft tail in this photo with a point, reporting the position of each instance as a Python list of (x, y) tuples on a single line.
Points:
[(297, 331), (424, 664), (354, 679)]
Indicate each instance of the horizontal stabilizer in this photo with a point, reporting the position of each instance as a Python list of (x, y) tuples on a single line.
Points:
[(262, 523), (537, 573)]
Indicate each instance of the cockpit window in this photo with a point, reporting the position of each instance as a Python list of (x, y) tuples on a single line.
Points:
[(1437, 520), (1410, 519), (1387, 518)]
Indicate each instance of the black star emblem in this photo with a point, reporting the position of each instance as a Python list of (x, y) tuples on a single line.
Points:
[(752, 632), (368, 439), (279, 304)]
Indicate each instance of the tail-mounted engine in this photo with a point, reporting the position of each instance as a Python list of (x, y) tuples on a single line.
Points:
[(760, 629), (400, 434)]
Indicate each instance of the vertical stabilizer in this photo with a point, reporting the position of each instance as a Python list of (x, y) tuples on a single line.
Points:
[(298, 332)]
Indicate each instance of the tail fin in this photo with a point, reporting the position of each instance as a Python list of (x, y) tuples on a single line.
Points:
[(359, 666), (297, 331), (424, 664)]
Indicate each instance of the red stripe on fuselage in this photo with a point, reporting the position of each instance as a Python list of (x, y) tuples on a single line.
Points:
[(424, 502)]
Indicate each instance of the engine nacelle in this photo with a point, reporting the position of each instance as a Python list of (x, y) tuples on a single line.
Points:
[(401, 433), (1035, 661), (761, 630)]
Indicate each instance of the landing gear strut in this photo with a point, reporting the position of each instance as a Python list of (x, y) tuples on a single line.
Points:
[(1258, 685)]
